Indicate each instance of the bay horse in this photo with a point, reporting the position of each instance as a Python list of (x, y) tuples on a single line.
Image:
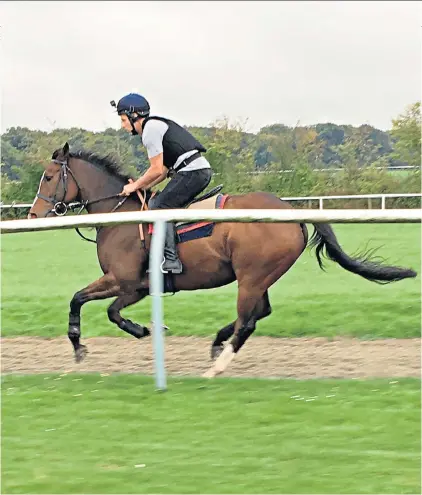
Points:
[(255, 255)]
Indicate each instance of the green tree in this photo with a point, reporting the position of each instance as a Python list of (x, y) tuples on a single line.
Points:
[(406, 134)]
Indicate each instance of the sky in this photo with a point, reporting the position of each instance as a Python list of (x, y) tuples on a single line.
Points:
[(258, 63)]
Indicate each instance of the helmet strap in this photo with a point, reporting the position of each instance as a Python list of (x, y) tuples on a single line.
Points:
[(134, 133), (132, 121)]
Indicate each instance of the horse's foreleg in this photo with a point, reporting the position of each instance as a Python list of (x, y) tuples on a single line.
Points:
[(104, 287), (128, 326)]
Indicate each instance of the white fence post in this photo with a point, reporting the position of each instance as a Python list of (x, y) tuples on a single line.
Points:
[(383, 202), (321, 203), (156, 291)]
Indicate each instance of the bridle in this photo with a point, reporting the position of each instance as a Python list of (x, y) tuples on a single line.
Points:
[(61, 207)]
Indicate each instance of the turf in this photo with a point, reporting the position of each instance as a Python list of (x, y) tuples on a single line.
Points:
[(114, 434), (42, 270)]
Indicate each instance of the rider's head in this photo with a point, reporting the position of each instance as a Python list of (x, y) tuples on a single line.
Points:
[(132, 108)]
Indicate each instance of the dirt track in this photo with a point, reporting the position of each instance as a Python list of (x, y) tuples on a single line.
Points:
[(261, 356)]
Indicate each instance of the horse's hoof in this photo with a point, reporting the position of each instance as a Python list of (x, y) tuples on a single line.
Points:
[(209, 374), (216, 350), (136, 330), (165, 327), (80, 353)]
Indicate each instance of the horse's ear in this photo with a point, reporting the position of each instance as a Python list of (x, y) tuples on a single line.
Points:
[(66, 150)]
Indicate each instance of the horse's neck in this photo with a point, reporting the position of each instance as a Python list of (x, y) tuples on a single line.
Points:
[(95, 184)]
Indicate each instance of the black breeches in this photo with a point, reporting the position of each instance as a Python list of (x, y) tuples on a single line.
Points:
[(181, 190)]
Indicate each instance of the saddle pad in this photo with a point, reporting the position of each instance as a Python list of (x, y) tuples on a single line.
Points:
[(217, 202)]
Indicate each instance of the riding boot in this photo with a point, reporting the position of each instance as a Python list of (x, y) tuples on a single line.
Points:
[(171, 261)]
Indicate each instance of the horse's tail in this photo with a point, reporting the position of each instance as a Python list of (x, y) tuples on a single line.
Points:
[(363, 264)]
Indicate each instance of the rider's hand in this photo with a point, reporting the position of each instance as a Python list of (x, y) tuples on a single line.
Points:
[(128, 189)]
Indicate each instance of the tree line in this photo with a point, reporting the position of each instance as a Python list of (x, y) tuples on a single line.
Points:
[(280, 159)]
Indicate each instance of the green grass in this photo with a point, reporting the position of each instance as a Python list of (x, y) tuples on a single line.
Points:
[(87, 433), (41, 271)]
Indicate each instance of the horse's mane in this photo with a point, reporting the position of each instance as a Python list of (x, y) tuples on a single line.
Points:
[(107, 162)]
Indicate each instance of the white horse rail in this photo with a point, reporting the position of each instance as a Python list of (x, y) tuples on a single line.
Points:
[(15, 204), (330, 170), (247, 215), (160, 217), (308, 199), (369, 197)]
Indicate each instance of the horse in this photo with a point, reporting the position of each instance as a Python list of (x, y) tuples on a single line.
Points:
[(256, 255)]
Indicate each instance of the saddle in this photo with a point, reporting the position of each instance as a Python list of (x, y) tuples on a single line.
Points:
[(211, 200), (214, 191)]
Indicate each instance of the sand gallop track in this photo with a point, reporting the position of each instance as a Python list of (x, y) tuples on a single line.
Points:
[(261, 357)]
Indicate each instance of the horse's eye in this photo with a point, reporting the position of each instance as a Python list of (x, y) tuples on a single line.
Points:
[(48, 178)]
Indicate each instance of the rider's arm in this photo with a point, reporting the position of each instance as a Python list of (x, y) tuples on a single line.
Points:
[(159, 180), (156, 171)]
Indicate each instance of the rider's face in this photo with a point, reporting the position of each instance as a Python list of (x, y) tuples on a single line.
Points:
[(125, 124)]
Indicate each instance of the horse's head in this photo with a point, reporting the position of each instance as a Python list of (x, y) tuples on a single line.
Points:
[(57, 187)]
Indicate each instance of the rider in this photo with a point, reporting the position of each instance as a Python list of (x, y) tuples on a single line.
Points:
[(172, 151)]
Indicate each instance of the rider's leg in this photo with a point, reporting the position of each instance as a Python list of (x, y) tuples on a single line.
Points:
[(181, 190)]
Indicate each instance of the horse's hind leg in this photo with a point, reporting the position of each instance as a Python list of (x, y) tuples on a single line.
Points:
[(252, 304), (128, 326), (221, 337), (262, 309), (104, 287)]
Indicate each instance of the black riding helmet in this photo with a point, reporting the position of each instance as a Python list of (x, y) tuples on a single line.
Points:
[(134, 106)]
